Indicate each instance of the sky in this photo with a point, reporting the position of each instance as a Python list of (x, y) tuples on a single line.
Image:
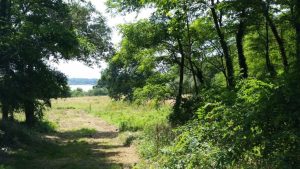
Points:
[(75, 69)]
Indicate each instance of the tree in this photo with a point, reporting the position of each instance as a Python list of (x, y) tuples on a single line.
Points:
[(44, 31), (3, 28), (228, 60), (129, 68), (279, 40), (239, 44), (269, 65)]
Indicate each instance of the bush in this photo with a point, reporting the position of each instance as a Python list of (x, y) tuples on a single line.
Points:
[(77, 93), (185, 111), (155, 137), (152, 92), (98, 92), (254, 128)]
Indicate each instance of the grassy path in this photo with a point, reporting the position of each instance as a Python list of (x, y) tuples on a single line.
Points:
[(82, 136), (100, 140), (80, 141)]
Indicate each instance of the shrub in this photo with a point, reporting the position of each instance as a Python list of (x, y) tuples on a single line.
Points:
[(78, 93), (254, 128), (97, 92), (152, 92), (185, 112)]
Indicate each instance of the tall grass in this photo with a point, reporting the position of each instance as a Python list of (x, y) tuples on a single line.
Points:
[(127, 116), (146, 123)]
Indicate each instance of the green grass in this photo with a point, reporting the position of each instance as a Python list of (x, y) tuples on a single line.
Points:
[(127, 116), (133, 117), (24, 148), (141, 124), (29, 148)]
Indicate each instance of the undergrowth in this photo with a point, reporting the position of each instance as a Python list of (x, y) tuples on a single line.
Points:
[(253, 127)]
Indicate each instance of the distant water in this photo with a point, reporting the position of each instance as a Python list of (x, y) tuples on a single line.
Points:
[(83, 87)]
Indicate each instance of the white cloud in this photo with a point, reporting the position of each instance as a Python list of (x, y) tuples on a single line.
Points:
[(77, 69)]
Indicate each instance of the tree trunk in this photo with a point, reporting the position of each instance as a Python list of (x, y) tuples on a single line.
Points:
[(189, 53), (269, 65), (5, 111), (280, 45), (194, 75), (3, 23), (3, 28), (239, 44), (297, 27), (199, 74), (228, 60), (29, 113), (279, 40), (181, 76), (3, 12)]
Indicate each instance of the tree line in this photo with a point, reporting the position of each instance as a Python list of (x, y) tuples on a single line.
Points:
[(34, 33)]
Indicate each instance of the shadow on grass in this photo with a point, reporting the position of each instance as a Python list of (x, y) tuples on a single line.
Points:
[(21, 148), (87, 133)]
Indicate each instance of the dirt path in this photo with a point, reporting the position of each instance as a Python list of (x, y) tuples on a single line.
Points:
[(99, 138)]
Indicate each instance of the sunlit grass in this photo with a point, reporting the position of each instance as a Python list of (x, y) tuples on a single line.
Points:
[(70, 147), (127, 116), (25, 148)]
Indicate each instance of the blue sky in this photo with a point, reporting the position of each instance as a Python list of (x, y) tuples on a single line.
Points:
[(74, 69)]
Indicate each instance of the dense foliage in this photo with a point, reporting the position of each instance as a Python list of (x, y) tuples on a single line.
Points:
[(238, 130), (232, 69)]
